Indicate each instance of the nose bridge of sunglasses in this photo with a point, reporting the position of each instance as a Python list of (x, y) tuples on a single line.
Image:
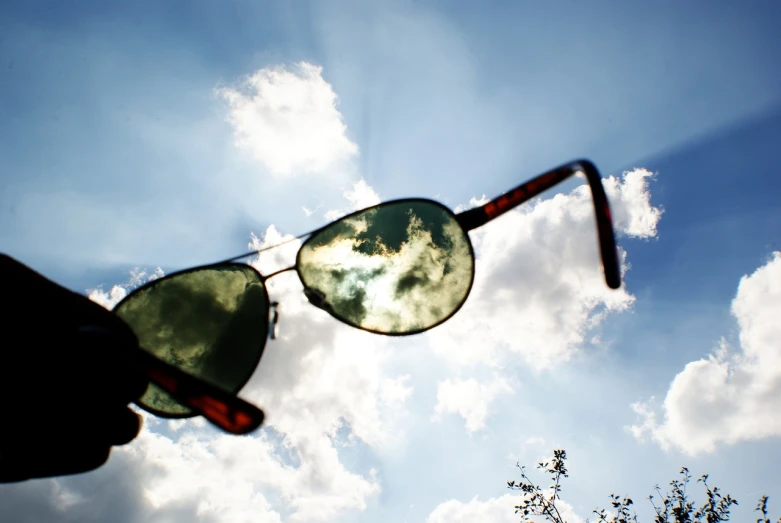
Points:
[(274, 308)]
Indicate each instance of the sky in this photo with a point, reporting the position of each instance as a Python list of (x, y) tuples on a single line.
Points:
[(141, 138)]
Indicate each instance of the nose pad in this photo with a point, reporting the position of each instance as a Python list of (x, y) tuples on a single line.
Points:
[(273, 324), (317, 298)]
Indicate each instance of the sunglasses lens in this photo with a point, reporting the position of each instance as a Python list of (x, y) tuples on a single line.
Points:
[(210, 322), (398, 268)]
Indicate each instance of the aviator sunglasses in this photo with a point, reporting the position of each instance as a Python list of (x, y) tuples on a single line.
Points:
[(398, 268)]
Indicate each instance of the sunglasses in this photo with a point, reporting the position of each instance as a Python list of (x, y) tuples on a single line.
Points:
[(398, 268)]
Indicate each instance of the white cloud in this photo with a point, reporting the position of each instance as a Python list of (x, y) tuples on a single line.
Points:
[(201, 477), (494, 510), (288, 120), (534, 440), (631, 206), (109, 299), (236, 478), (361, 196), (469, 399), (727, 398), (539, 289)]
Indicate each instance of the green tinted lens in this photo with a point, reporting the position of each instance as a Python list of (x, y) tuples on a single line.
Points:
[(210, 322), (398, 268)]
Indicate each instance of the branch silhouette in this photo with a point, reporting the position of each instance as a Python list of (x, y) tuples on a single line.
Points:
[(673, 506)]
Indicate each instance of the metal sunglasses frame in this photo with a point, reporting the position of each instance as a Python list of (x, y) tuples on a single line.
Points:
[(232, 414)]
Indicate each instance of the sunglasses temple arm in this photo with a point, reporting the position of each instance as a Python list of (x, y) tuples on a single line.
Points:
[(607, 238), (221, 408), (479, 216)]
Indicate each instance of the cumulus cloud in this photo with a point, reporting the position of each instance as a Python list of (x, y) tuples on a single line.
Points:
[(469, 399), (630, 201), (199, 476), (287, 118), (494, 510), (539, 289), (360, 196), (732, 395), (117, 293), (246, 478)]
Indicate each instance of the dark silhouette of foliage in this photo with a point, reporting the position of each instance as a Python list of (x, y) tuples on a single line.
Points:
[(762, 509), (675, 506)]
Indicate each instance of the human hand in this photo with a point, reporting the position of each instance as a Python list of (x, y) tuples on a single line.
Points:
[(67, 375)]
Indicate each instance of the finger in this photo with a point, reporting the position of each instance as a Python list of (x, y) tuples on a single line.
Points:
[(123, 427), (73, 461), (66, 311), (85, 312), (70, 308), (96, 427), (52, 460), (66, 444), (108, 374)]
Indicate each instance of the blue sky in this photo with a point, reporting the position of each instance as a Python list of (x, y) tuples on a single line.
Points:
[(120, 149)]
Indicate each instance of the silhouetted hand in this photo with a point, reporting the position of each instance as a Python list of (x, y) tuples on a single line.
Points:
[(66, 378)]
